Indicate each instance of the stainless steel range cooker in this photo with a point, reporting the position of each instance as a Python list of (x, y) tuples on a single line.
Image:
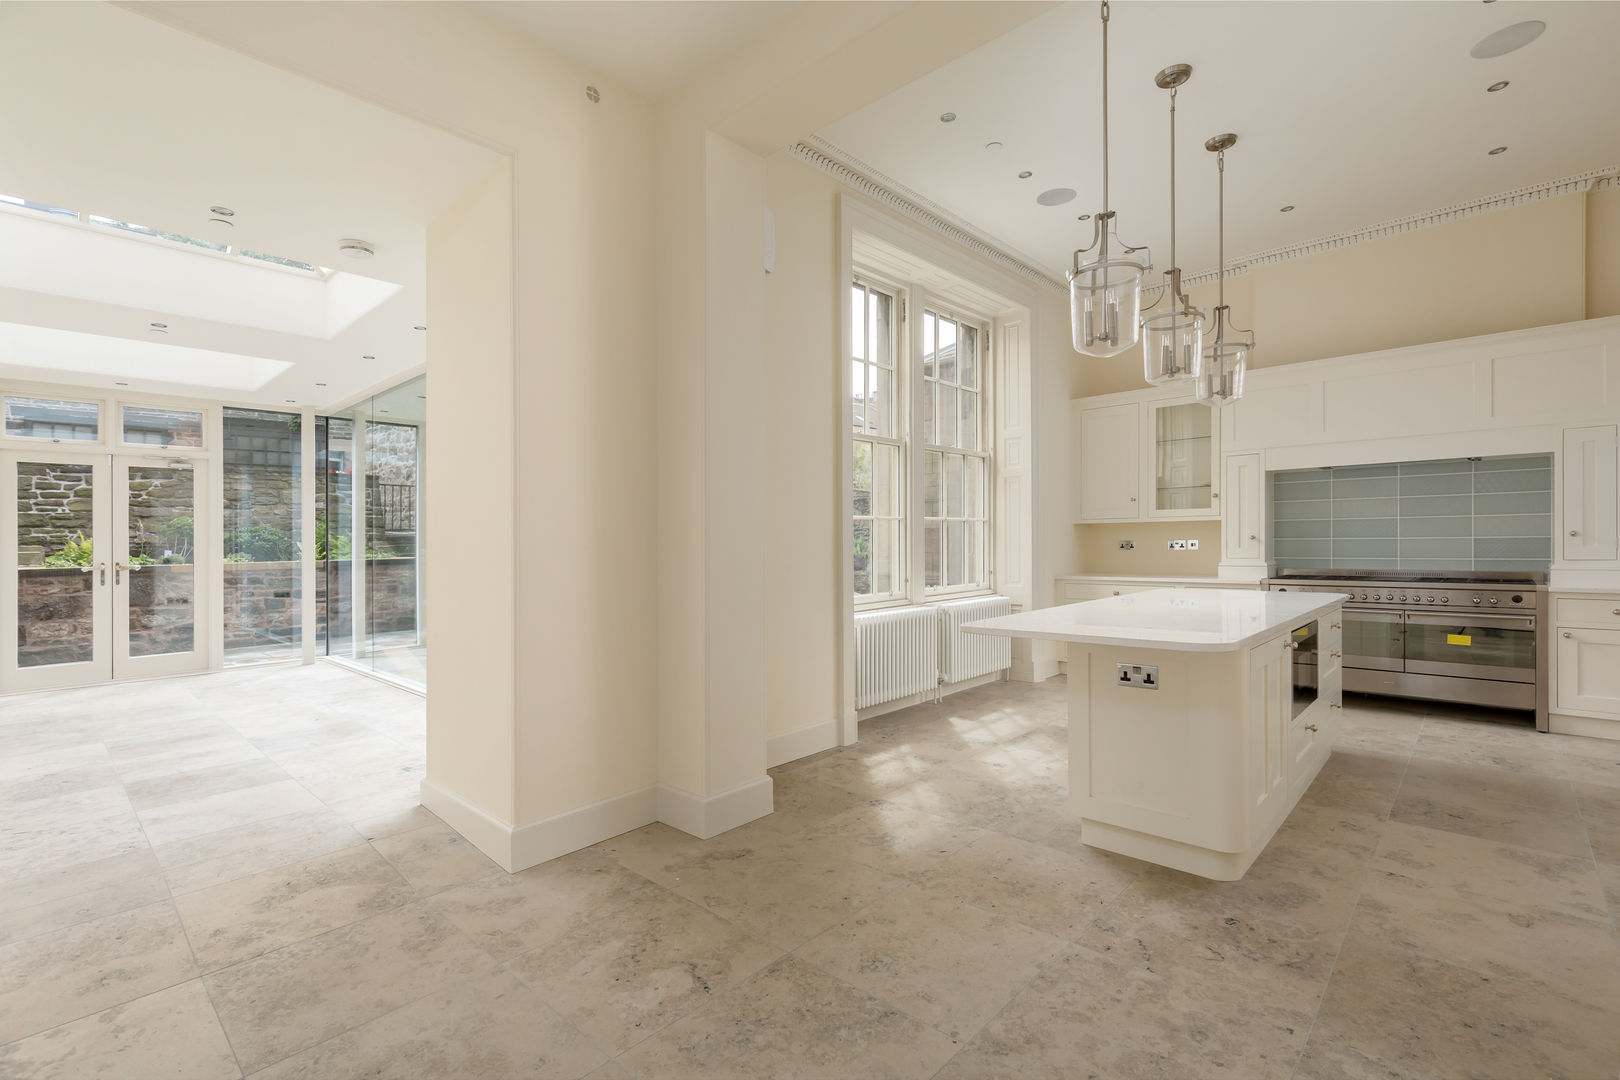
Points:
[(1469, 638)]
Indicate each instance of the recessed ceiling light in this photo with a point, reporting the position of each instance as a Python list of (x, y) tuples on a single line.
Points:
[(120, 384), (221, 211), (421, 397), (1507, 39), (1287, 208), (946, 117), (418, 328), (1025, 175), (383, 411), (356, 249), (992, 145), (320, 384), (291, 401), (1499, 150), (1056, 196), (1083, 217), (368, 358), (1495, 86), (158, 325)]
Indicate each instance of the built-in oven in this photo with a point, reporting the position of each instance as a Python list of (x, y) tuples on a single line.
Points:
[(1472, 645), (1302, 640)]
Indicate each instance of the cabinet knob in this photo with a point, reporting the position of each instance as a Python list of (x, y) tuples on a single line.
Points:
[(1568, 634), (1253, 537), (1335, 626), (1333, 654), (1572, 532), (1334, 705), (1133, 499), (1214, 494), (1310, 727), (1616, 611)]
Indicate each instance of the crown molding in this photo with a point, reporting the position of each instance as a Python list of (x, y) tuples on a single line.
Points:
[(1593, 180), (854, 173)]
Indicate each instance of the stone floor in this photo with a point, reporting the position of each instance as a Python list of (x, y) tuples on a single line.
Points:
[(228, 875)]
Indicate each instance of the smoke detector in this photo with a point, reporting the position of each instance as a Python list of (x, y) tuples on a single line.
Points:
[(356, 249)]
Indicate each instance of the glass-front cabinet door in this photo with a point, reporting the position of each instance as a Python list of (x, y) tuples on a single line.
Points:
[(1183, 453)]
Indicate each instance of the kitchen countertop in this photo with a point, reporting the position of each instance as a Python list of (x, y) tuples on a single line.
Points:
[(1182, 620), (1160, 579)]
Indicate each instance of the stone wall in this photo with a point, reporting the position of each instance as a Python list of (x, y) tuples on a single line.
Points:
[(54, 505), (261, 600), (55, 616)]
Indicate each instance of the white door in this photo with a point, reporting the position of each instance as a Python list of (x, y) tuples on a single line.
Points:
[(99, 568), (55, 570)]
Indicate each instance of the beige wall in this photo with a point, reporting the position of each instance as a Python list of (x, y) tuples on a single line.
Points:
[(469, 297), (574, 401), (1547, 262), (1100, 553)]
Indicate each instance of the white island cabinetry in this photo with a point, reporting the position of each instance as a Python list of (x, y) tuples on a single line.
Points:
[(1197, 717)]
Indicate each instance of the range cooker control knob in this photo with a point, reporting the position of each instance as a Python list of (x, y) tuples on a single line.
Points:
[(1476, 600), (1364, 596), (1445, 599), (1429, 599), (1403, 597), (1493, 600)]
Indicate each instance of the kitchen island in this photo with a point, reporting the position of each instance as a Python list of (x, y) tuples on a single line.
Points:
[(1197, 717)]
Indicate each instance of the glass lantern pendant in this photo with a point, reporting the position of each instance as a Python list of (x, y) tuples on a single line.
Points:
[(1173, 340), (1226, 358), (1105, 293)]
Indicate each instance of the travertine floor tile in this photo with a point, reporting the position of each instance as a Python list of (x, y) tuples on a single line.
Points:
[(895, 838), (802, 802), (1474, 813), (211, 813), (1327, 1058), (81, 827), (277, 1004), (507, 914), (1058, 892), (1086, 1014), (435, 857), (640, 967), (791, 1022), (252, 915), (53, 978), (185, 786), (1450, 1021), (39, 903), (241, 850), (948, 964), (170, 1033), (490, 1027), (1494, 874)]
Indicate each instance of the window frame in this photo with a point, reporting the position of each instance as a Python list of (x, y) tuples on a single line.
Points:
[(900, 405), (910, 383)]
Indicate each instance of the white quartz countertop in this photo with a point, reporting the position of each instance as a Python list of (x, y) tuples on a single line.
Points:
[(1162, 579), (1184, 620)]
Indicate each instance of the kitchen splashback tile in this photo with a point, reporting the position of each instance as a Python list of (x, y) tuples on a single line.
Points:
[(1454, 514)]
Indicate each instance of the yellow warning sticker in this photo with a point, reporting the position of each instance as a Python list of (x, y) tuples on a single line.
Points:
[(1459, 639)]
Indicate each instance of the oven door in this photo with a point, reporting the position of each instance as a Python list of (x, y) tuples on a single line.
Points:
[(1373, 639), (1475, 646)]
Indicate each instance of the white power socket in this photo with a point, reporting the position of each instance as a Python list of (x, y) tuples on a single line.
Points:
[(1183, 545)]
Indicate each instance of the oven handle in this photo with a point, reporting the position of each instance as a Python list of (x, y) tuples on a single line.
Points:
[(1383, 614), (1493, 622)]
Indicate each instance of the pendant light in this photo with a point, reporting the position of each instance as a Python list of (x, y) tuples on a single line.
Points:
[(1173, 340), (1105, 294), (1226, 359)]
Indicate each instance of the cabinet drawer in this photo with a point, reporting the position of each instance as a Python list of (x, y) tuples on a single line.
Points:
[(1074, 592), (1573, 611)]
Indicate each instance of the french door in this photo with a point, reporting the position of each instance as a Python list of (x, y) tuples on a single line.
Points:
[(98, 568)]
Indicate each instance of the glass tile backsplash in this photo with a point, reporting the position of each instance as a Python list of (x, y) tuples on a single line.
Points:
[(1484, 514)]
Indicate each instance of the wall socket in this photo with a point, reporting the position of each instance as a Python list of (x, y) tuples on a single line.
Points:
[(1127, 545), (1141, 676), (1183, 545)]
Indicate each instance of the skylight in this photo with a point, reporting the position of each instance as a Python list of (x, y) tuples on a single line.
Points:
[(159, 234)]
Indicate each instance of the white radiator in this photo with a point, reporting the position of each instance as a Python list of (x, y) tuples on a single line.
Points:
[(896, 654), (963, 655)]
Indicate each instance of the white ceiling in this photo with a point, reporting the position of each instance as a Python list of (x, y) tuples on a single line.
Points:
[(1355, 113), (113, 114), (651, 46)]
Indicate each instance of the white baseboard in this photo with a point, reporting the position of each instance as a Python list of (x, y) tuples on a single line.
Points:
[(489, 835), (546, 839), (1590, 727), (706, 817), (800, 742)]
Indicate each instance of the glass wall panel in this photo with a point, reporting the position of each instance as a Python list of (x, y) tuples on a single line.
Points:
[(334, 535), (261, 528)]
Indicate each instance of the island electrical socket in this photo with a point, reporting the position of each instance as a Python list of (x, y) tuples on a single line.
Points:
[(1141, 676)]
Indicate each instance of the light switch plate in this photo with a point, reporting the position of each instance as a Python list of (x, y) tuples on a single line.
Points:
[(1192, 545)]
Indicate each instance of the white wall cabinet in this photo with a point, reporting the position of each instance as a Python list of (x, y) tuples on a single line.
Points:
[(1243, 520), (1155, 459), (1182, 441), (1107, 463), (1588, 495)]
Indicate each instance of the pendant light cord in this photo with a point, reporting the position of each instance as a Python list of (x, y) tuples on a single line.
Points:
[(1106, 206), (1220, 166)]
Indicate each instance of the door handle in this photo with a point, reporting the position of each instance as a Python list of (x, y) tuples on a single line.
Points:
[(103, 568), (118, 572)]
